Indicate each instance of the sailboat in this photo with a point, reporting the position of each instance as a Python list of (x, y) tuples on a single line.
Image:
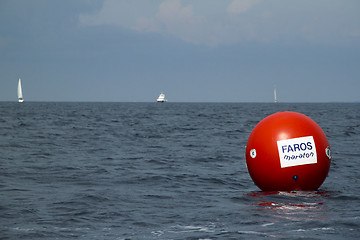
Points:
[(19, 91), (275, 97), (161, 98)]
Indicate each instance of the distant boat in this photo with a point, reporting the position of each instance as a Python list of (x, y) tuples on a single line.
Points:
[(275, 97), (161, 98), (19, 91)]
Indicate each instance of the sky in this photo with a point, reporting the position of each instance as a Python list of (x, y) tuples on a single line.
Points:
[(193, 51)]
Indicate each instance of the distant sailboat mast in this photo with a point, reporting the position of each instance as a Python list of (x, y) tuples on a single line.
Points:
[(275, 97), (19, 91)]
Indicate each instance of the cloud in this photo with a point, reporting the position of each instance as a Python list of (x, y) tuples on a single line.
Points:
[(115, 12), (182, 22), (175, 19), (241, 6), (107, 15), (216, 23), (178, 19)]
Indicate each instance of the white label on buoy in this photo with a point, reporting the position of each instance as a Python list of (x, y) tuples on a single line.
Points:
[(297, 151), (253, 153)]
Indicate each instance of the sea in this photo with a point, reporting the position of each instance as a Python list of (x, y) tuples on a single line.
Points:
[(85, 170)]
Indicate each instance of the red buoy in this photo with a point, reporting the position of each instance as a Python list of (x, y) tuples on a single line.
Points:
[(288, 151)]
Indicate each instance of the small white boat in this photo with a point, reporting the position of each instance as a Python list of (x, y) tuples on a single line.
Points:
[(19, 91), (161, 98)]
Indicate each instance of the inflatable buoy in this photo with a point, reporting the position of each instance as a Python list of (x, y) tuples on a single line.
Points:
[(288, 151)]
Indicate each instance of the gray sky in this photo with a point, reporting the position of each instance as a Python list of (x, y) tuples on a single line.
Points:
[(193, 51)]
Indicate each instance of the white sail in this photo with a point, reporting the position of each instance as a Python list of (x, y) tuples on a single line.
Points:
[(19, 91), (161, 98), (275, 97)]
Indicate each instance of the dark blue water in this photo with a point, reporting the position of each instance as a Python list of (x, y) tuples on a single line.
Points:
[(164, 171)]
